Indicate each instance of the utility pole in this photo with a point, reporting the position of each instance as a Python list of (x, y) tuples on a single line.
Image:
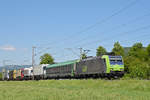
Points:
[(86, 51), (70, 49), (81, 49), (4, 69), (33, 61), (83, 52)]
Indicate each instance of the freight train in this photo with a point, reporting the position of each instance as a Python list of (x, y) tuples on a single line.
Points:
[(93, 67)]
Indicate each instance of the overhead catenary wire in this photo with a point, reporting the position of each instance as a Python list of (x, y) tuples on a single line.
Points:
[(115, 13), (94, 25), (123, 42), (125, 33), (131, 31), (68, 57), (122, 33), (117, 27), (143, 37), (112, 29)]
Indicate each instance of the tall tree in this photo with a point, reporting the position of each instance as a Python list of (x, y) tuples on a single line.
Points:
[(136, 49), (0, 75), (101, 51), (118, 49), (147, 54), (148, 50), (47, 59)]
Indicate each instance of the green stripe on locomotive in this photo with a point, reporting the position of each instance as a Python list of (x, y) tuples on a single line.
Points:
[(64, 64)]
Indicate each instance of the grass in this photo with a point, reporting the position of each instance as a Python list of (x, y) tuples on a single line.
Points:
[(75, 90)]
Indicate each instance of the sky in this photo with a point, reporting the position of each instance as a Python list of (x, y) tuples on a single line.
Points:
[(61, 27)]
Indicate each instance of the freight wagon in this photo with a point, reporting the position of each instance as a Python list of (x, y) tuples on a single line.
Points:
[(18, 74), (28, 73), (94, 67), (22, 74), (14, 74), (11, 75), (40, 71), (64, 69), (105, 66), (6, 74)]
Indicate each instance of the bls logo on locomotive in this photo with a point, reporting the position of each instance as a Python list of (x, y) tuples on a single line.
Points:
[(84, 69)]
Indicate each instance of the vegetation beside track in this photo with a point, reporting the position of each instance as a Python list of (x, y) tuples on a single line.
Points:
[(0, 76), (75, 90), (136, 59)]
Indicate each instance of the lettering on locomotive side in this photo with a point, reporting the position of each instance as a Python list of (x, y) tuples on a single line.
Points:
[(84, 69)]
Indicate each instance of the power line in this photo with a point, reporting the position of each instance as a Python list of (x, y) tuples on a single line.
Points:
[(64, 57), (40, 52), (124, 33), (94, 25), (109, 17), (114, 28), (134, 40), (99, 22), (119, 26), (33, 60), (138, 29), (70, 49)]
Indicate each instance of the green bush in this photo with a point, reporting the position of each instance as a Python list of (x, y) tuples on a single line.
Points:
[(137, 62), (139, 69), (0, 75)]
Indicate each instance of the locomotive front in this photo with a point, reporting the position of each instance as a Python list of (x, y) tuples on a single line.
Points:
[(115, 65)]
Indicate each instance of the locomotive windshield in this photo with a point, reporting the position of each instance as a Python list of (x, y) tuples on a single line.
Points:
[(115, 60)]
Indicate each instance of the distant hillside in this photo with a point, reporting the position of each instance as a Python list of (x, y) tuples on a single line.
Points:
[(12, 67), (126, 50)]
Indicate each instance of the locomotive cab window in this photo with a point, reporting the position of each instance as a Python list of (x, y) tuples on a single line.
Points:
[(114, 61), (44, 68), (104, 60)]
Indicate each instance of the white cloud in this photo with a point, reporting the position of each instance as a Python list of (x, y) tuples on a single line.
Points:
[(7, 48)]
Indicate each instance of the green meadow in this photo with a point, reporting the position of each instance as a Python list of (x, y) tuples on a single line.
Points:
[(75, 90)]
